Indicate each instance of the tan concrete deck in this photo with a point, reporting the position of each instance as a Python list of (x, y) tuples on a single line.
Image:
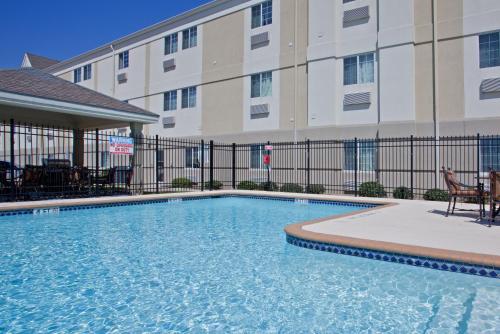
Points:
[(410, 227)]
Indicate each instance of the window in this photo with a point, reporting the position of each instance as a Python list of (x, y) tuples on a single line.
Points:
[(359, 69), (262, 14), (104, 159), (262, 85), (171, 44), (366, 155), (193, 156), (87, 72), (257, 153), (190, 38), (489, 50), (77, 75), (490, 154), (170, 100), (161, 165), (189, 98), (123, 60)]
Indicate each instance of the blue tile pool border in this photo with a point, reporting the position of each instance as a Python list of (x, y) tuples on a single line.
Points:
[(62, 208), (417, 261)]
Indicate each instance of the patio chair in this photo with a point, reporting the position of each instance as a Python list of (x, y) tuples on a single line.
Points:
[(106, 178), (31, 181), (457, 189), (494, 195)]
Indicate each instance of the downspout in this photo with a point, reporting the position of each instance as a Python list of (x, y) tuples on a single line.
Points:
[(296, 86), (114, 68), (295, 59), (435, 93), (377, 168)]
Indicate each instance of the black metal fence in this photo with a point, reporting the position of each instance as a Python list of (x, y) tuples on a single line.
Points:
[(39, 162)]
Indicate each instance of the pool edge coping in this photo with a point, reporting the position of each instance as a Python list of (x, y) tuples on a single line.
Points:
[(475, 259)]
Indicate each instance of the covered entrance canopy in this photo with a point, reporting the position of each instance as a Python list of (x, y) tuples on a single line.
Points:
[(51, 118), (34, 96)]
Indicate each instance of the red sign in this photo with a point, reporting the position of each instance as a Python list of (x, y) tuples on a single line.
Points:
[(121, 145), (267, 160)]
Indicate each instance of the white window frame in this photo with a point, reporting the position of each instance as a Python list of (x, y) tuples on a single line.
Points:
[(191, 98), (489, 65), (358, 69), (87, 72), (262, 152), (262, 19), (77, 75), (170, 46), (359, 157), (167, 103), (195, 152), (484, 170), (192, 40), (123, 60), (261, 76)]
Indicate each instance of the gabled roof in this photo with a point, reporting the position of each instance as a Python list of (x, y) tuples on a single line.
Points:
[(38, 62), (37, 83)]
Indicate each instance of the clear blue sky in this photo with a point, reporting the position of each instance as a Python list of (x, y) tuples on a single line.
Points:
[(61, 29)]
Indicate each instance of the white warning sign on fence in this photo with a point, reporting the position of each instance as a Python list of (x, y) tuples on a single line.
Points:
[(121, 145)]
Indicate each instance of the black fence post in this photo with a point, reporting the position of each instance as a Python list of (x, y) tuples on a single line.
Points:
[(96, 161), (356, 166), (268, 168), (211, 165), (308, 166), (478, 158), (412, 171), (234, 167), (157, 165), (202, 165), (12, 159)]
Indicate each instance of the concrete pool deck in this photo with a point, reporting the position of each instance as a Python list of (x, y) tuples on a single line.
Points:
[(417, 228)]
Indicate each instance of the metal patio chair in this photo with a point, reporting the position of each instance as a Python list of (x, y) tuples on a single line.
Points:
[(457, 189), (494, 195)]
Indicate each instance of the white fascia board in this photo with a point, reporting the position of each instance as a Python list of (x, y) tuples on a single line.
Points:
[(36, 103)]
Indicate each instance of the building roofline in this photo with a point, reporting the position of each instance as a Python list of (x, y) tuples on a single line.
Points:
[(72, 108), (202, 11)]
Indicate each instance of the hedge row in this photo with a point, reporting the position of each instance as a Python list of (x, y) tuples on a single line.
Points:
[(366, 189)]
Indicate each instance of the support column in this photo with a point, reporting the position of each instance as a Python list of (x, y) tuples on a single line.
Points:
[(78, 148), (137, 184)]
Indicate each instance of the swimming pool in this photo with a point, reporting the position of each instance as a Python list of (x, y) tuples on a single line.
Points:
[(217, 265)]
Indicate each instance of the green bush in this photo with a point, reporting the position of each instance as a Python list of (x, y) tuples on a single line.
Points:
[(315, 189), (402, 193), (268, 186), (216, 185), (291, 188), (437, 195), (182, 182), (247, 185), (372, 189)]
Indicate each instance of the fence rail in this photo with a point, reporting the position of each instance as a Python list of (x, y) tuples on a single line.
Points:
[(38, 162)]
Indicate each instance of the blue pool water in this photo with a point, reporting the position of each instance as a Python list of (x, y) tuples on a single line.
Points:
[(221, 266)]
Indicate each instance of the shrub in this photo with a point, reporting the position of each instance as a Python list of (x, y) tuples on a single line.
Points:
[(216, 185), (247, 185), (402, 193), (436, 195), (268, 186), (315, 189), (372, 189), (291, 188), (182, 182)]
